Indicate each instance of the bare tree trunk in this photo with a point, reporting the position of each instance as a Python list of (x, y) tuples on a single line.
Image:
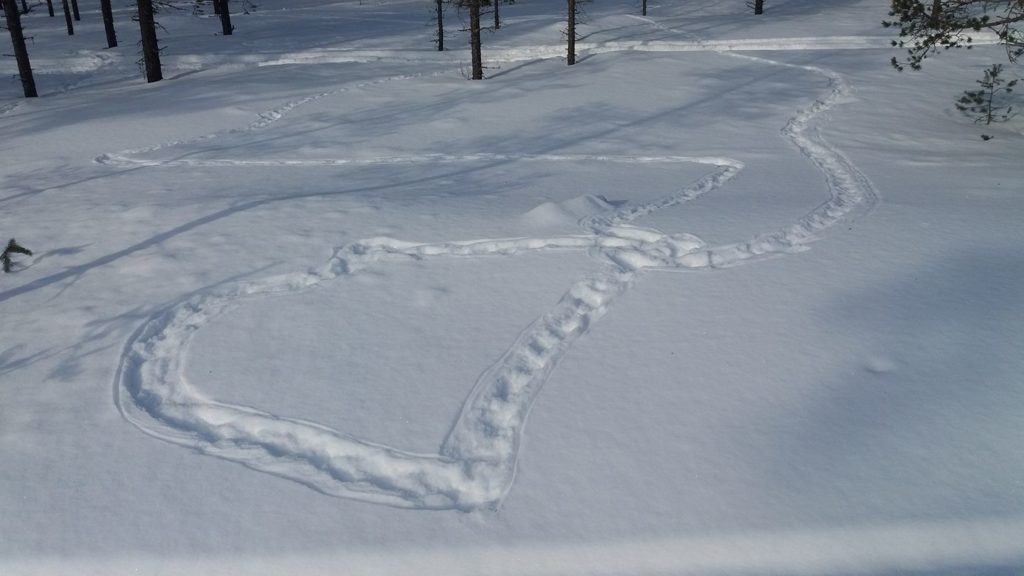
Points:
[(497, 18), (225, 17), (108, 23), (571, 34), (758, 6), (440, 25), (474, 39), (67, 17), (74, 9), (28, 83), (643, 10), (150, 48), (49, 7), (24, 7)]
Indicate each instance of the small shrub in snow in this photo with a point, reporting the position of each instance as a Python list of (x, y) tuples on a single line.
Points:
[(989, 104), (12, 248)]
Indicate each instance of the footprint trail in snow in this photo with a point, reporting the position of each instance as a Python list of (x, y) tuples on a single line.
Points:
[(476, 464)]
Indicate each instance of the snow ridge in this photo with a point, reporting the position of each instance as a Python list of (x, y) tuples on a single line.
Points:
[(475, 466)]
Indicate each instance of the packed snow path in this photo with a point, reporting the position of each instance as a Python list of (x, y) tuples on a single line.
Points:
[(476, 464)]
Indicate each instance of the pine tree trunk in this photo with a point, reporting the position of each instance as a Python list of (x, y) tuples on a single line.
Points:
[(936, 13), (67, 17), (28, 83), (150, 48), (571, 34), (108, 23), (49, 8), (474, 39), (440, 25), (225, 17), (758, 6), (74, 10)]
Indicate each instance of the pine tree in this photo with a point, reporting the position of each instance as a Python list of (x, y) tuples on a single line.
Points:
[(221, 8), (67, 17), (475, 27), (936, 12), (440, 25), (474, 39), (28, 82), (475, 47), (574, 15), (570, 33), (150, 47), (926, 29), (987, 104), (108, 23)]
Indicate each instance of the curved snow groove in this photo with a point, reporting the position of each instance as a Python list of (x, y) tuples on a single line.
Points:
[(475, 466), (132, 159), (474, 469), (848, 187), (123, 159)]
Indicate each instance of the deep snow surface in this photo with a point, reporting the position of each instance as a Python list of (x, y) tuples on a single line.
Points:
[(728, 296)]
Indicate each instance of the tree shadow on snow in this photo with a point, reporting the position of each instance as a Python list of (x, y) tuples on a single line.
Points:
[(924, 419)]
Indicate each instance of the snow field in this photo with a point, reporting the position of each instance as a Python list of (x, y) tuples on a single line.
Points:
[(316, 263), (477, 461)]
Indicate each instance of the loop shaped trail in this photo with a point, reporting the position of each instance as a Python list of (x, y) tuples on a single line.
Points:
[(476, 464)]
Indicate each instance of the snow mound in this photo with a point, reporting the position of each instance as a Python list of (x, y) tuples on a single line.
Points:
[(568, 212)]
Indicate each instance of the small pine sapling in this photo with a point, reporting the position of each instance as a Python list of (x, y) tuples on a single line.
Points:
[(989, 104), (12, 248), (928, 27)]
